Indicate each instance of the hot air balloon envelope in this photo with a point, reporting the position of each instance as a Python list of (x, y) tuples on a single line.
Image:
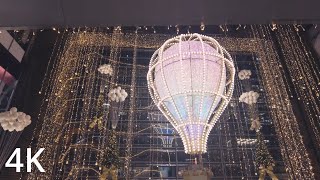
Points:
[(191, 81)]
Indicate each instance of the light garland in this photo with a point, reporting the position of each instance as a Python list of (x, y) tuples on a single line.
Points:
[(74, 77), (131, 116), (298, 163), (305, 75)]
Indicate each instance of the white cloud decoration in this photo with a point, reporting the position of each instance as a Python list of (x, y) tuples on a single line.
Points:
[(13, 120), (105, 69), (117, 94), (244, 74), (250, 97)]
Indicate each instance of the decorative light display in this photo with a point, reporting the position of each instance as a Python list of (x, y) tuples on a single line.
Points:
[(255, 125), (117, 94), (244, 74), (241, 141), (13, 120), (196, 173), (74, 119), (304, 72), (111, 158), (191, 79), (67, 115), (131, 113), (162, 128), (106, 69), (115, 112), (264, 160), (297, 161), (165, 131), (117, 97), (250, 97)]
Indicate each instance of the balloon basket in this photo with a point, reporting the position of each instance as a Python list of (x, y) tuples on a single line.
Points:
[(197, 172)]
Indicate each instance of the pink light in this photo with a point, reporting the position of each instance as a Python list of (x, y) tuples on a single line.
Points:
[(6, 77)]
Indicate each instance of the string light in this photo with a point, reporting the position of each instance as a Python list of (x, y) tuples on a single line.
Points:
[(131, 115), (298, 164), (177, 29), (305, 75), (226, 27), (202, 26), (238, 27), (220, 26), (273, 26)]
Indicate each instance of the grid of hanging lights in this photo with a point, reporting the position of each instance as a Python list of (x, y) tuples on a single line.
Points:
[(297, 158)]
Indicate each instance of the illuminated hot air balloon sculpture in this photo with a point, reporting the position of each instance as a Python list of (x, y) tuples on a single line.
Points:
[(191, 80)]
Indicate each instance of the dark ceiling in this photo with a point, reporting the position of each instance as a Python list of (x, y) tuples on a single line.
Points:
[(74, 13)]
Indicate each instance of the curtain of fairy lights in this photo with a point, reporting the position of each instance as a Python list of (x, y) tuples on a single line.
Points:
[(74, 143), (297, 161), (149, 148), (304, 72)]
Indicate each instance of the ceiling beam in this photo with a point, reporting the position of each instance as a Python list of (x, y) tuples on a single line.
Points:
[(93, 13)]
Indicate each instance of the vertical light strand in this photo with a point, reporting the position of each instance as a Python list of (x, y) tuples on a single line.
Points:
[(131, 116), (291, 143)]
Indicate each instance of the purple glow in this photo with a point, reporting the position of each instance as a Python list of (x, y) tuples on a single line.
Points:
[(190, 74)]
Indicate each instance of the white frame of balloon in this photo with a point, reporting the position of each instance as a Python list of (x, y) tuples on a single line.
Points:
[(228, 68)]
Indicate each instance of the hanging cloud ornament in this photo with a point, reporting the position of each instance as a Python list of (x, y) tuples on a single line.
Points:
[(13, 120), (117, 94), (250, 97), (244, 74), (106, 69)]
